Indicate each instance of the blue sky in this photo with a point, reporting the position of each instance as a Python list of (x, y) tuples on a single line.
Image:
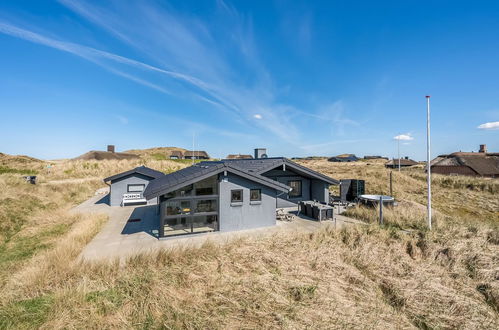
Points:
[(298, 77)]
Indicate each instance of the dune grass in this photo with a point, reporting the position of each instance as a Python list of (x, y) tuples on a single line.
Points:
[(357, 277)]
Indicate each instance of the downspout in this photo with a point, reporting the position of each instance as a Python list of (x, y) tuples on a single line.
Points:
[(278, 196), (109, 185)]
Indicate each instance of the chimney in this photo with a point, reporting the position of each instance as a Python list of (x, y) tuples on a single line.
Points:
[(483, 148), (260, 153), (406, 157), (110, 148)]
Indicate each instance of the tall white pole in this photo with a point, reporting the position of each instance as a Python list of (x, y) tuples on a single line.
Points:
[(398, 150), (193, 152), (428, 150)]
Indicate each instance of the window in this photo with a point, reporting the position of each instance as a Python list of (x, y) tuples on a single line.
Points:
[(236, 196), (209, 205), (178, 207), (204, 191), (136, 187), (182, 192), (255, 195), (206, 187), (295, 188)]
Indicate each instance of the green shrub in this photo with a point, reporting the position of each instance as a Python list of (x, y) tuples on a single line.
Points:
[(5, 169)]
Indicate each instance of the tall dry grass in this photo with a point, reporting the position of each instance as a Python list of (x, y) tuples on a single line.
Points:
[(100, 169), (357, 277)]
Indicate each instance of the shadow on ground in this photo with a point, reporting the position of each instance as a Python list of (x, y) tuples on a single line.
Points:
[(143, 219), (103, 200)]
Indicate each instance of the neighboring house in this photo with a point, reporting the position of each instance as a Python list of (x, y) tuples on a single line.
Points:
[(344, 158), (106, 155), (239, 156), (479, 163), (176, 154), (233, 195), (404, 162), (128, 187), (375, 157), (196, 154)]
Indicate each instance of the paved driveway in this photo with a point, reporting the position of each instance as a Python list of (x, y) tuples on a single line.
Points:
[(124, 236)]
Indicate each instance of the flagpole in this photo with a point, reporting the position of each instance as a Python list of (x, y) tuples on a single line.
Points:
[(428, 150), (398, 149)]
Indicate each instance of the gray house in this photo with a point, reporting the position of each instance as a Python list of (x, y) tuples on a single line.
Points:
[(233, 194), (128, 187), (345, 158)]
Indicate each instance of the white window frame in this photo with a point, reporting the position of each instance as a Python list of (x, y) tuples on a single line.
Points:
[(142, 185)]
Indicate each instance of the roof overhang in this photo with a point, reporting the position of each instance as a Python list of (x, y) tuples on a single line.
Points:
[(145, 171), (302, 170)]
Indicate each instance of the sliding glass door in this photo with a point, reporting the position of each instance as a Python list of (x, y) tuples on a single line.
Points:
[(191, 209)]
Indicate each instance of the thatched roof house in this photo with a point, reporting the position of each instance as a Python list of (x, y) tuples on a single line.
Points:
[(196, 154), (239, 156), (467, 163), (176, 154)]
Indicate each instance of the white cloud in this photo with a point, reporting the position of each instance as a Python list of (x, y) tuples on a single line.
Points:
[(122, 120), (490, 126), (404, 137), (257, 116)]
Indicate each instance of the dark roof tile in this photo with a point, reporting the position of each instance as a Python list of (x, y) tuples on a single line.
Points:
[(140, 170)]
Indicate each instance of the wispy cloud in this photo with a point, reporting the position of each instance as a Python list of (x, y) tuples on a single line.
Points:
[(494, 125), (204, 51), (404, 137), (334, 115), (181, 55), (320, 147), (123, 120), (296, 27)]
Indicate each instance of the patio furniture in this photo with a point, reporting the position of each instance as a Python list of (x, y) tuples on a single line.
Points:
[(316, 210)]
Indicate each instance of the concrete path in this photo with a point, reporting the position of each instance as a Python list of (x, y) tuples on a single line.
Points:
[(122, 237)]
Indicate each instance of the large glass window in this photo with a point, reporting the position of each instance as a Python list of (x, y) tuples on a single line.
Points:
[(203, 205), (295, 188), (178, 207), (206, 187), (182, 192), (179, 221), (191, 209), (136, 187), (189, 225), (255, 195), (236, 196)]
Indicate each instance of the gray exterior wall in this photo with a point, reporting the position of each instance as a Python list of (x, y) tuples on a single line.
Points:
[(283, 200), (119, 187), (246, 215), (320, 191)]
